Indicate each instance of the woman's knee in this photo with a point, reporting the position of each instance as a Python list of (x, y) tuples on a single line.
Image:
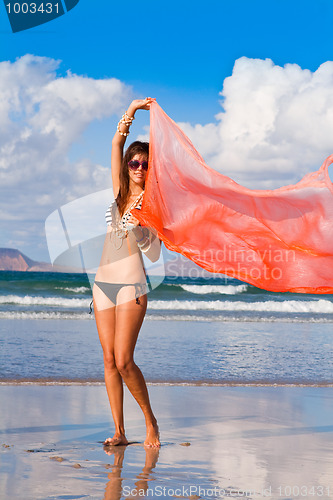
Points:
[(109, 361), (124, 365)]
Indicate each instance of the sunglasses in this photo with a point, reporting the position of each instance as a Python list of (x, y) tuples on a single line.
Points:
[(135, 164)]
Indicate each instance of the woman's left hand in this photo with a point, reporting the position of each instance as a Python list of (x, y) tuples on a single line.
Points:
[(133, 220)]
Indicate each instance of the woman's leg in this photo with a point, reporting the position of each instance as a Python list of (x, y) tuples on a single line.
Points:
[(129, 318), (105, 321)]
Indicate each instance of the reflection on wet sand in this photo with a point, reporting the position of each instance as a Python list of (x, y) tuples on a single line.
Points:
[(263, 442), (114, 489)]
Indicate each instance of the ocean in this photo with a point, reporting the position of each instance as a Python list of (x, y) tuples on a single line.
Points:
[(214, 330)]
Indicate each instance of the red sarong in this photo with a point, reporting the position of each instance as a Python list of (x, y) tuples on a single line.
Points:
[(280, 240)]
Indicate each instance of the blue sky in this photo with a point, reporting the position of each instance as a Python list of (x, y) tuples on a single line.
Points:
[(177, 51)]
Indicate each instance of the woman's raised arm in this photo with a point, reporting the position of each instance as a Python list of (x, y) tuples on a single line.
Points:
[(119, 139)]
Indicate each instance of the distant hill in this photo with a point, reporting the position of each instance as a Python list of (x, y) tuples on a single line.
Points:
[(14, 260), (177, 265)]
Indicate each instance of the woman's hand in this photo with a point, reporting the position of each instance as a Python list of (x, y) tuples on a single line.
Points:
[(133, 220), (139, 104)]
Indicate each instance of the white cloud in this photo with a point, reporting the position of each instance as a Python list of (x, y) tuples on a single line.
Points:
[(276, 124), (41, 116)]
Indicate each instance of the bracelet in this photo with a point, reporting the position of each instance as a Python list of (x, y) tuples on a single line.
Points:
[(130, 118), (127, 121), (143, 246), (143, 236), (125, 134)]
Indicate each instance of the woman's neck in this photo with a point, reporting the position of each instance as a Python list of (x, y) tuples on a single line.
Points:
[(135, 189), (135, 194)]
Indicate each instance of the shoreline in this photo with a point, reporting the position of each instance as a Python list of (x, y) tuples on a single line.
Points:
[(98, 383), (212, 317)]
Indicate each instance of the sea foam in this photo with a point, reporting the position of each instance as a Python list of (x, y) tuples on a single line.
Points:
[(223, 289), (289, 306), (39, 300)]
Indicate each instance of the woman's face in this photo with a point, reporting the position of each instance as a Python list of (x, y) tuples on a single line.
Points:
[(138, 176)]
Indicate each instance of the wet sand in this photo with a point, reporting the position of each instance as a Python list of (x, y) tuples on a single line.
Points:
[(217, 442)]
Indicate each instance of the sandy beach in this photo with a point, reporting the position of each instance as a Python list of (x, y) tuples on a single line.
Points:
[(217, 442)]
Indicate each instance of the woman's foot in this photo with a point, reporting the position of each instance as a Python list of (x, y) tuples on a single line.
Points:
[(153, 437), (116, 440)]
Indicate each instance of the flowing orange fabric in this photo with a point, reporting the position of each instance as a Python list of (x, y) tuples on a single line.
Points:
[(279, 240)]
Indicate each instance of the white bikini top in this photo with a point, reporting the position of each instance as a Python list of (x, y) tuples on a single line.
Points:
[(121, 223)]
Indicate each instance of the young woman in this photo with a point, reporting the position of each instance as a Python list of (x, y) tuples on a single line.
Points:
[(120, 288)]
